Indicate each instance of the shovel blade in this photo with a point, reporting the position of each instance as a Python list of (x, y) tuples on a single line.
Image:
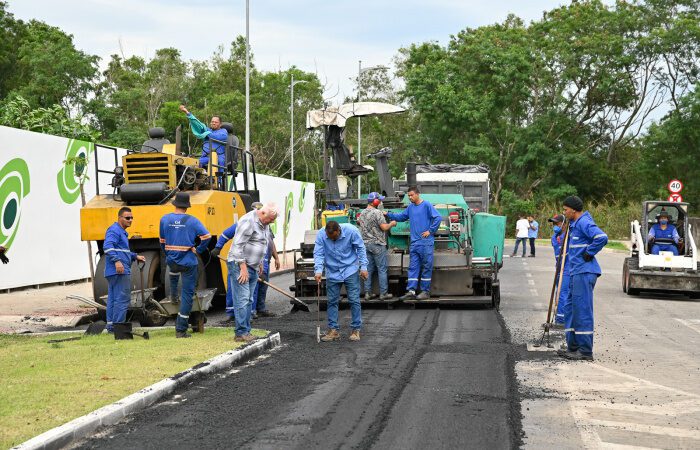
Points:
[(299, 305)]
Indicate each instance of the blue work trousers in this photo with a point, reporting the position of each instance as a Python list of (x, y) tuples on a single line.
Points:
[(189, 283), (261, 289), (517, 243), (352, 286), (376, 261), (420, 267), (118, 299), (563, 306), (656, 248), (579, 324), (229, 298), (242, 296)]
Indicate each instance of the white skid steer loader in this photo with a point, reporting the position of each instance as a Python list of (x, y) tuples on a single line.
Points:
[(662, 264)]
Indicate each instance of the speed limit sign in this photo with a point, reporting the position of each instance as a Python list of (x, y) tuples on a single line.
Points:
[(675, 186)]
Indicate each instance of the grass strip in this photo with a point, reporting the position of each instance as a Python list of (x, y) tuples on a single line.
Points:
[(46, 385)]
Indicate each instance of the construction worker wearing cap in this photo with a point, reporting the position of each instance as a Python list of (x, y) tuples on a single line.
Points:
[(424, 221), (178, 235), (663, 235), (563, 306), (373, 228), (118, 259), (585, 241)]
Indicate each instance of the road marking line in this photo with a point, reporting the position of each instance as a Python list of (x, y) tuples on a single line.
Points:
[(688, 324), (531, 282), (641, 428)]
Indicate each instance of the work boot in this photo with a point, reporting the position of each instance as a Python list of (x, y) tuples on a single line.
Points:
[(231, 321), (370, 296), (331, 335), (182, 334), (530, 256), (424, 295), (266, 313), (386, 296), (244, 338), (410, 295), (254, 315), (355, 335), (575, 356)]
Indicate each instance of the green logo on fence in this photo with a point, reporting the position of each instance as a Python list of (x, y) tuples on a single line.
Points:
[(74, 173), (302, 196), (288, 213), (14, 186)]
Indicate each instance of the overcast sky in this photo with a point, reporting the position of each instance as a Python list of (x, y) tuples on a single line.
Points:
[(328, 37)]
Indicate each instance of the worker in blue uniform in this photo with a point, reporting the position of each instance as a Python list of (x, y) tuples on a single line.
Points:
[(118, 259), (563, 306), (664, 235), (178, 235), (213, 132), (585, 241), (226, 236), (424, 222)]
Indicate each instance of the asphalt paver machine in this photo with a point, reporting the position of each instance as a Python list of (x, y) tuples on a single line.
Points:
[(663, 272)]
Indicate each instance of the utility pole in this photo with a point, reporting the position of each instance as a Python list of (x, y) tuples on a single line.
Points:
[(247, 81)]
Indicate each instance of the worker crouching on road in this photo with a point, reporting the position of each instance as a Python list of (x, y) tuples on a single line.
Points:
[(663, 235), (563, 306), (118, 268), (339, 250), (245, 263), (424, 222), (373, 228), (585, 241), (178, 235)]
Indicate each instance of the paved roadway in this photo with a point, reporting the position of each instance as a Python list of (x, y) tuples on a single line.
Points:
[(450, 379)]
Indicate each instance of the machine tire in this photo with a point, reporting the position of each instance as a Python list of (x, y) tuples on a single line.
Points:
[(630, 263), (99, 283), (496, 295)]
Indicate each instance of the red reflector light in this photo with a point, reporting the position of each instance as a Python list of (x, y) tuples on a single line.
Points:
[(454, 217)]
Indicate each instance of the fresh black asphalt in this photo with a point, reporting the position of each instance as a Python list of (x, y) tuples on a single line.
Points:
[(419, 378)]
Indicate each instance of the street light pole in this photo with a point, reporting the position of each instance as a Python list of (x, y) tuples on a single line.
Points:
[(247, 80), (291, 134)]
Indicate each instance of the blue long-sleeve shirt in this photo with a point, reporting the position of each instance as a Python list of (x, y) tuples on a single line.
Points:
[(557, 243), (341, 257), (422, 217), (533, 229), (220, 135), (177, 238), (226, 236), (669, 233), (116, 248), (584, 237)]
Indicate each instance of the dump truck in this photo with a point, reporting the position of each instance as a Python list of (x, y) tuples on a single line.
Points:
[(146, 179), (663, 272)]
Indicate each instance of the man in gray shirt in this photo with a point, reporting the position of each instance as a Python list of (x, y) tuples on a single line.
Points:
[(245, 262), (373, 228)]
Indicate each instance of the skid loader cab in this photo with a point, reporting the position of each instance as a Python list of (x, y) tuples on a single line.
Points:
[(678, 213)]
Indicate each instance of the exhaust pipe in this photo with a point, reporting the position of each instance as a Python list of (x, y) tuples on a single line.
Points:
[(411, 179)]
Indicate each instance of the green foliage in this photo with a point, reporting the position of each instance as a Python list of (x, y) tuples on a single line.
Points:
[(18, 113)]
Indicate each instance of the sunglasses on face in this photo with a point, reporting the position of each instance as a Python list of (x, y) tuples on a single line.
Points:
[(128, 217)]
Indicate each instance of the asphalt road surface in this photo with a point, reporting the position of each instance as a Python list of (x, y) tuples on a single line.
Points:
[(442, 378)]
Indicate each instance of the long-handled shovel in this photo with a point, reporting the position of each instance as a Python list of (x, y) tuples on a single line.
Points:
[(298, 304), (318, 312)]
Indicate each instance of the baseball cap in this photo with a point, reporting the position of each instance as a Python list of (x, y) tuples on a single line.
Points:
[(374, 196), (557, 218)]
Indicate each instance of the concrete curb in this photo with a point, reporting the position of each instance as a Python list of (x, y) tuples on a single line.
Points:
[(81, 427)]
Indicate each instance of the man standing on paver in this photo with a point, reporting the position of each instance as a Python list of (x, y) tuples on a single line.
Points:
[(373, 228), (245, 264), (424, 222), (339, 250), (178, 234), (585, 241), (118, 259), (532, 229)]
